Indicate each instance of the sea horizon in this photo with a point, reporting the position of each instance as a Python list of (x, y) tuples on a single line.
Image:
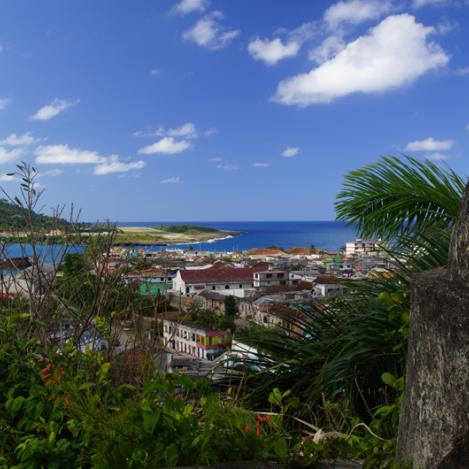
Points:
[(329, 235)]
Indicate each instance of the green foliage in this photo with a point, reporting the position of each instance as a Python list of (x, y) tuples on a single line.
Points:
[(231, 308), (75, 263), (337, 352), (209, 319), (343, 361), (14, 217), (397, 199), (186, 229), (71, 414)]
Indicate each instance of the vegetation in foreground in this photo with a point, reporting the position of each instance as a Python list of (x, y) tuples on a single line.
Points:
[(332, 390)]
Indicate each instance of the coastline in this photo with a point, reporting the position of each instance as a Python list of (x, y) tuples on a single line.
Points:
[(181, 241)]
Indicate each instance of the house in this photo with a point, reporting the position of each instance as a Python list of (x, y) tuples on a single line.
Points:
[(191, 339), (279, 315), (150, 282), (326, 286), (270, 277), (217, 277), (212, 300), (298, 276)]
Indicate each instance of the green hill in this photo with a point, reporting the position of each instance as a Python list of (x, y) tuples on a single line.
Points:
[(13, 218), (186, 229)]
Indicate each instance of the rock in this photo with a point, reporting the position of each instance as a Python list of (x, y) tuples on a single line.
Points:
[(434, 423), (458, 262)]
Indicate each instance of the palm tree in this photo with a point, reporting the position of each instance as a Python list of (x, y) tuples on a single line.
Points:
[(343, 347)]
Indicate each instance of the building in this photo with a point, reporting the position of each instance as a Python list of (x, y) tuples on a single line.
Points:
[(212, 300), (269, 278), (326, 286), (190, 339), (217, 277), (151, 282), (362, 248)]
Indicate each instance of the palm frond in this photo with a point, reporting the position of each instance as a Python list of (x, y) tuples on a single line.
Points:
[(399, 197)]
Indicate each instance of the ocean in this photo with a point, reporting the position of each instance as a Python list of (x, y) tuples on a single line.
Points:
[(330, 235)]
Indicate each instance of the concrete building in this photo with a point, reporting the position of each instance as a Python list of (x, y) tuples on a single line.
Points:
[(187, 338), (217, 277), (362, 248), (326, 286), (269, 278), (150, 282)]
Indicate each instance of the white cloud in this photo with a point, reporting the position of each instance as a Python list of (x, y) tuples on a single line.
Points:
[(228, 167), (18, 140), (4, 102), (155, 72), (189, 6), (113, 165), (53, 109), (166, 146), (467, 127), (429, 144), (372, 63), (171, 180), (217, 160), (272, 52), (424, 3), (437, 156), (6, 156), (330, 47), (290, 152), (355, 12), (208, 32), (261, 165), (187, 130), (63, 154)]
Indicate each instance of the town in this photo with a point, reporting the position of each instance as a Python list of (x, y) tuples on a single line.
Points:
[(254, 288)]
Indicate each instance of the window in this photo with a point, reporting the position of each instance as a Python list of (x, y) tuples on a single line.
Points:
[(268, 275), (240, 286), (227, 287), (280, 275), (214, 287)]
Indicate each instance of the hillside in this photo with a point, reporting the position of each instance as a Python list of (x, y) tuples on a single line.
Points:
[(186, 229), (12, 218)]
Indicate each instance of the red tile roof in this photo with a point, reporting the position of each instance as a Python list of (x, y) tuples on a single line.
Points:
[(218, 274), (326, 279), (265, 252), (299, 250)]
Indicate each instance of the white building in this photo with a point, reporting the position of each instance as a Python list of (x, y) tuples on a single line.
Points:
[(326, 286), (190, 339), (218, 277), (362, 248)]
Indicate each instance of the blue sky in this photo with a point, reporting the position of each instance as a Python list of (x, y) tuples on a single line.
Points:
[(226, 109)]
